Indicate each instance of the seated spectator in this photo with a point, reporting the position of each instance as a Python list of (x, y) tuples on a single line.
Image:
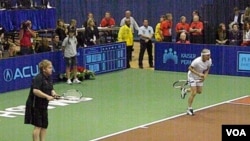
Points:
[(91, 33), (183, 38), (235, 35), (56, 44), (12, 50), (1, 41), (246, 34), (182, 26), (1, 51), (107, 21), (222, 35), (43, 46)]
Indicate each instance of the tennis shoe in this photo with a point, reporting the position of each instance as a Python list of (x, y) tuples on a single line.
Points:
[(69, 82), (183, 93), (190, 112), (76, 81)]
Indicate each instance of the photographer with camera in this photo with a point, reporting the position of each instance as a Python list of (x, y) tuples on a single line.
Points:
[(26, 35)]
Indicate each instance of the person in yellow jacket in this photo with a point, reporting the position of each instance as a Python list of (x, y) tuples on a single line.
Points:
[(125, 35), (158, 34)]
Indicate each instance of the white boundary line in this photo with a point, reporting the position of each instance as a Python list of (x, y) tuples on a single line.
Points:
[(158, 121)]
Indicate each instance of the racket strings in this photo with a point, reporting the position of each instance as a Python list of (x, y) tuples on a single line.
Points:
[(73, 94)]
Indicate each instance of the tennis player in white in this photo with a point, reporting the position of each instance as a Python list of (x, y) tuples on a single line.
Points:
[(198, 72)]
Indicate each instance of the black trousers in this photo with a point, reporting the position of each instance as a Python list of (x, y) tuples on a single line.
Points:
[(143, 46), (196, 39), (129, 55)]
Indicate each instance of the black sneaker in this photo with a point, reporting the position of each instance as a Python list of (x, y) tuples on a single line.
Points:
[(190, 112)]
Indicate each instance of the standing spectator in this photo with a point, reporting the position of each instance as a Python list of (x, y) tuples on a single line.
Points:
[(133, 25), (146, 33), (235, 35), (90, 16), (72, 26), (166, 28), (69, 48), (183, 38), (246, 16), (41, 92), (158, 36), (196, 13), (107, 21), (26, 34), (196, 31), (61, 29), (181, 26), (222, 35), (125, 35), (235, 18), (91, 33)]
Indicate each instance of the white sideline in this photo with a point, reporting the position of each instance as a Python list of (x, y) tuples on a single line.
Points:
[(158, 121)]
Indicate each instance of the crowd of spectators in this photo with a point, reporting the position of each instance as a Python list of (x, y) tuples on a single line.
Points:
[(235, 32)]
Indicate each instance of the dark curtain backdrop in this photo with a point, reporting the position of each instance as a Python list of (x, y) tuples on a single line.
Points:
[(141, 9), (213, 12)]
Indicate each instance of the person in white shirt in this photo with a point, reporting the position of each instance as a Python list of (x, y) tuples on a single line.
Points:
[(133, 25), (146, 34), (70, 55), (198, 72)]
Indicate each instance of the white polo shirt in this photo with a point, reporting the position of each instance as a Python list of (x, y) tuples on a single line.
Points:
[(199, 66), (69, 45), (146, 31)]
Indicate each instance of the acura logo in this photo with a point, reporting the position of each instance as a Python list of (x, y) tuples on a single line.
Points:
[(8, 75)]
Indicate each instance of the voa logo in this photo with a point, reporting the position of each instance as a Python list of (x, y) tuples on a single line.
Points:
[(20, 73)]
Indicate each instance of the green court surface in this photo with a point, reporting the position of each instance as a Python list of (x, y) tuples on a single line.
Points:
[(121, 100)]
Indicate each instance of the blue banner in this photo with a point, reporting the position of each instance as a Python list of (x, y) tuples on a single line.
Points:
[(17, 72), (227, 60)]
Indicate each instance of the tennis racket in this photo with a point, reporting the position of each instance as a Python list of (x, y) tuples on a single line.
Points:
[(72, 95), (179, 84)]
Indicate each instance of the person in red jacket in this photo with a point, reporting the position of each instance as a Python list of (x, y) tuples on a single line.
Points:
[(166, 28), (182, 26), (25, 35), (196, 31), (107, 21)]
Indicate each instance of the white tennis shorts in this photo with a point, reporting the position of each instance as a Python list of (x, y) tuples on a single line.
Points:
[(194, 82)]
